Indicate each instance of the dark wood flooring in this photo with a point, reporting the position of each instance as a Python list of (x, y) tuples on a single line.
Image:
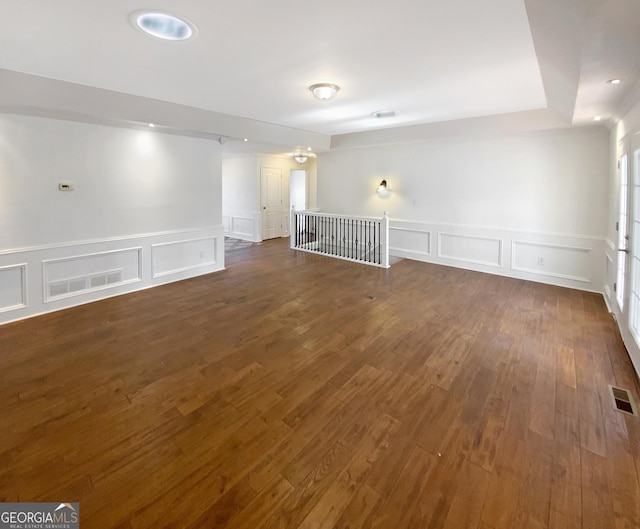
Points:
[(296, 391)]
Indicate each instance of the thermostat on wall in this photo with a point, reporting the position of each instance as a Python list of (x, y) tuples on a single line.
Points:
[(65, 187)]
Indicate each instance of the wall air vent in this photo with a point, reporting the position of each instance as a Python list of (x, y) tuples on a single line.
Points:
[(76, 285)]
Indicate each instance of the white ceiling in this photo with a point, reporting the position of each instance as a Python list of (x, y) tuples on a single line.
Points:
[(430, 61)]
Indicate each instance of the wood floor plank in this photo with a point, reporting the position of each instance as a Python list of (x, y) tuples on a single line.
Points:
[(566, 491), (597, 503), (328, 510), (467, 504), (501, 503), (400, 506), (292, 390)]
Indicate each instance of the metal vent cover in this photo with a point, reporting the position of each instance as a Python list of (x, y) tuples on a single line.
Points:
[(623, 401)]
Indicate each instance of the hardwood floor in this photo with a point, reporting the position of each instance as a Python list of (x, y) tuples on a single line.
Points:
[(296, 391)]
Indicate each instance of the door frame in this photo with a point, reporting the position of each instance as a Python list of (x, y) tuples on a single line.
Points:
[(629, 147)]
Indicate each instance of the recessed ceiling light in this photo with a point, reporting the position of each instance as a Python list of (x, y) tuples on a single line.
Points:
[(384, 114), (597, 118), (246, 139), (151, 125), (614, 81), (309, 149), (324, 91), (163, 25)]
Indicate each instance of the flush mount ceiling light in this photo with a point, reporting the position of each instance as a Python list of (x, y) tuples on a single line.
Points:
[(300, 158), (614, 81), (384, 114), (324, 91), (163, 25), (597, 118)]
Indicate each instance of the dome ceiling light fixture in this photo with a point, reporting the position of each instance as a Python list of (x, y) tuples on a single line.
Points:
[(163, 25), (324, 91), (300, 158)]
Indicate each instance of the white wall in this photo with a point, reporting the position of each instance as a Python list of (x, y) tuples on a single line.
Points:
[(501, 205), (146, 209), (241, 197), (242, 213)]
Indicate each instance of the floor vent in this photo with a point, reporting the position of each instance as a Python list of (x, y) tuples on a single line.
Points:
[(623, 401)]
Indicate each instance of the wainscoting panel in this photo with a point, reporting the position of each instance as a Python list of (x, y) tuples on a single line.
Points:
[(179, 256), (575, 261), (13, 287), (552, 260), (245, 225), (81, 272), (409, 241), (241, 226), (470, 249)]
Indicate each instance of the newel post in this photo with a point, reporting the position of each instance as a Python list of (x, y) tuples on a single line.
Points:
[(385, 240)]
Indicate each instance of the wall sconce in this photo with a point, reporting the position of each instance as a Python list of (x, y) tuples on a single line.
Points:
[(383, 190)]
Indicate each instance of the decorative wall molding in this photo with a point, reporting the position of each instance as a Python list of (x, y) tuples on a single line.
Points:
[(407, 242), (245, 225), (174, 257), (463, 248), (572, 261), (13, 287), (77, 273), (81, 274), (108, 239), (565, 262)]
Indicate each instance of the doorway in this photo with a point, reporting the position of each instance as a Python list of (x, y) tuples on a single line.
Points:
[(298, 189)]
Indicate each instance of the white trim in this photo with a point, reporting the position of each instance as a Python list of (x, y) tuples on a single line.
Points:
[(440, 255), (46, 298), (402, 252), (476, 227), (23, 287), (106, 240), (543, 273), (410, 229), (204, 264), (610, 244), (183, 269), (137, 276), (254, 218)]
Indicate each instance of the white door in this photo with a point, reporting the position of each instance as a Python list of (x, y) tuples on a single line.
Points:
[(271, 202), (628, 272)]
